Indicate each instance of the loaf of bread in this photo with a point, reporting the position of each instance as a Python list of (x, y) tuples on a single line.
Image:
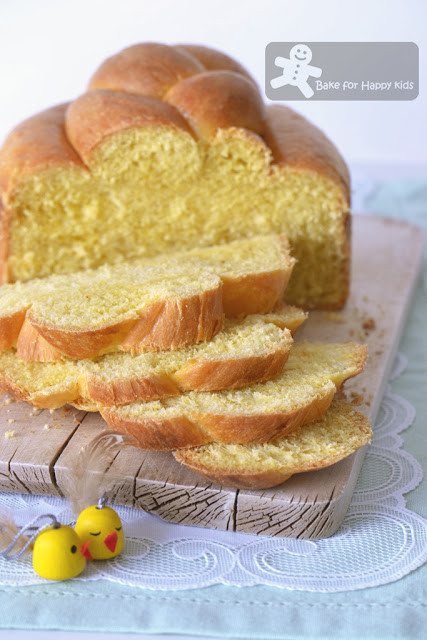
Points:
[(172, 147), (336, 435), (163, 303), (311, 377), (244, 352)]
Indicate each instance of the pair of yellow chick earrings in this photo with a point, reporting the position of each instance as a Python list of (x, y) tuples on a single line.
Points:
[(60, 552)]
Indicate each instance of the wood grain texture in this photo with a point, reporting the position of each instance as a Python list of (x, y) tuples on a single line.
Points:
[(387, 257), (37, 438)]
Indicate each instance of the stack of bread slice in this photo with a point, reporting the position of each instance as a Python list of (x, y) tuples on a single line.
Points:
[(191, 353)]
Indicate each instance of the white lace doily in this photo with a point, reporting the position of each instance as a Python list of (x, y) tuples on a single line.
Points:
[(379, 541)]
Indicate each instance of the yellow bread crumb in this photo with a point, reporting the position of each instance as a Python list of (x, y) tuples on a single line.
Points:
[(338, 318)]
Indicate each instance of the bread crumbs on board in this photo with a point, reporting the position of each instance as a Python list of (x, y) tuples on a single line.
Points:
[(369, 324), (9, 434), (356, 399), (333, 316)]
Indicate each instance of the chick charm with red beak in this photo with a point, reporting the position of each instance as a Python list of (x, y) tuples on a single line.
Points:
[(101, 527), (58, 552), (98, 526)]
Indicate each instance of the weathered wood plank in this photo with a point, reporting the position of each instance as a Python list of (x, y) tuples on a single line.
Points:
[(30, 442), (308, 505), (152, 481), (386, 262), (184, 498)]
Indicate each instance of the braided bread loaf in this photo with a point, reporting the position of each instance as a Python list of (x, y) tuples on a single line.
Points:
[(171, 148)]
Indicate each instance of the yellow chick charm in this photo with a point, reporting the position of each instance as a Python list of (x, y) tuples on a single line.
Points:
[(58, 553), (102, 528)]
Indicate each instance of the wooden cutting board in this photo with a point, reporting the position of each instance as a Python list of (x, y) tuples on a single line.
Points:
[(38, 447)]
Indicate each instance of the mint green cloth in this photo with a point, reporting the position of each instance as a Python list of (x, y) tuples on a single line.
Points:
[(396, 610)]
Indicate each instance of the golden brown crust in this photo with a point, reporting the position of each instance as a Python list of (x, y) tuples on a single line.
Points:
[(210, 375), (149, 69), (30, 345), (295, 142), (213, 60), (264, 480), (75, 343), (254, 478), (233, 428), (209, 88), (167, 324), (256, 292), (154, 434), (10, 327), (123, 391), (197, 428), (199, 374), (95, 115), (218, 100), (54, 400), (293, 322), (4, 241), (360, 355), (176, 323), (238, 429), (38, 143)]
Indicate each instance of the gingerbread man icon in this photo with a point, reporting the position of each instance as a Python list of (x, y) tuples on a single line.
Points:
[(296, 70)]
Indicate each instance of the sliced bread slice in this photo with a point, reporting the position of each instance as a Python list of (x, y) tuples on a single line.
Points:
[(246, 351), (261, 412), (286, 316), (337, 434), (149, 305)]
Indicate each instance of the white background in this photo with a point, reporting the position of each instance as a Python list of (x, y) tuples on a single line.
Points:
[(50, 48)]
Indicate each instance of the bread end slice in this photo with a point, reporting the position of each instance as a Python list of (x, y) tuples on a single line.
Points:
[(339, 433)]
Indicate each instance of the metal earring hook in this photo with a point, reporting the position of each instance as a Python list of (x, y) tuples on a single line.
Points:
[(102, 501), (30, 526)]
